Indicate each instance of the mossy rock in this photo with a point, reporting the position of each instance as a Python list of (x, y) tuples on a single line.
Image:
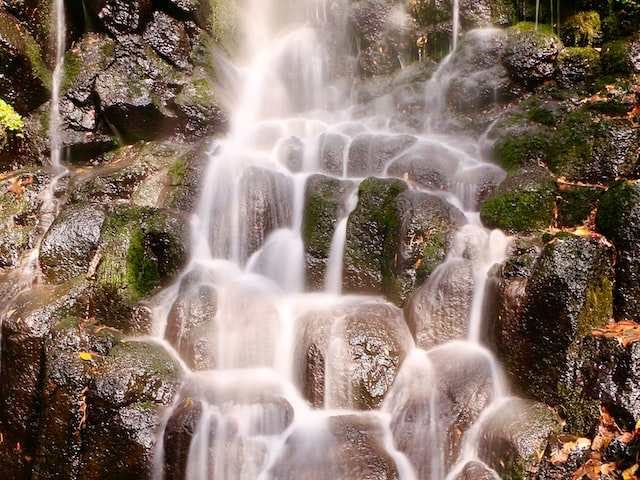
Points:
[(372, 239), (577, 65), (324, 205), (221, 19), (582, 29), (618, 218), (396, 238), (569, 293), (524, 202), (530, 53), (615, 57), (140, 250), (576, 203)]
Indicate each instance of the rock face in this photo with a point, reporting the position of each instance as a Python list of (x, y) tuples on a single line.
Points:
[(569, 293)]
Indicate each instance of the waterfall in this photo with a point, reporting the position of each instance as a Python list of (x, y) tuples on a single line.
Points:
[(283, 397)]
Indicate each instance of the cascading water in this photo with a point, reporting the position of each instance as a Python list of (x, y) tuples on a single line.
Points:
[(270, 391)]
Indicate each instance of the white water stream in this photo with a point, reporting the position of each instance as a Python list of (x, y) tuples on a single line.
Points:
[(261, 412)]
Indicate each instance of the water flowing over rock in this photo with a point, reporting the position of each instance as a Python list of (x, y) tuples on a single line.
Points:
[(259, 239)]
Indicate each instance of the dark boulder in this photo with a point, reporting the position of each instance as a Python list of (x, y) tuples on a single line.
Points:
[(124, 400), (569, 293), (178, 433), (83, 132), (369, 153), (120, 16), (169, 38), (349, 355), (136, 90), (190, 322), (25, 80), (530, 54), (618, 218), (577, 65), (73, 351), (70, 243), (395, 238), (139, 250), (26, 327)]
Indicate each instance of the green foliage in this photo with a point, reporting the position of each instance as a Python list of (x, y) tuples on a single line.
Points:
[(10, 120)]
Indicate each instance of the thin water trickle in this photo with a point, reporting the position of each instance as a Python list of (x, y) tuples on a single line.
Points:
[(280, 394)]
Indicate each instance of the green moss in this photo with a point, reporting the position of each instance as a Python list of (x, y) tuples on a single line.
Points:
[(520, 147), (542, 116), (142, 269), (580, 414), (530, 27), (38, 67), (598, 306), (224, 21), (72, 67), (582, 29), (576, 203), (177, 171), (518, 212), (615, 57)]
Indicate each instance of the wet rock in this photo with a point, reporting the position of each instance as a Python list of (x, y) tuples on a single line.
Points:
[(70, 242), (486, 13), (369, 153), (25, 80), (577, 65), (199, 108), (530, 54), (265, 198), (178, 433), (436, 397), (73, 351), (19, 220), (474, 470), (523, 202), (325, 204), (350, 447), (475, 184), (190, 322), (169, 38), (349, 355), (139, 250), (512, 435), (148, 174), (381, 28), (570, 292), (395, 238), (428, 164), (476, 78), (369, 346), (83, 132), (120, 16), (125, 397), (135, 91), (26, 326), (332, 148), (439, 310), (618, 219)]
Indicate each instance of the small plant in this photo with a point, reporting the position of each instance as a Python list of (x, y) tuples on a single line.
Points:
[(10, 120)]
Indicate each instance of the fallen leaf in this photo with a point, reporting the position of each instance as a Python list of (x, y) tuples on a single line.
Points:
[(85, 355), (630, 473), (625, 331)]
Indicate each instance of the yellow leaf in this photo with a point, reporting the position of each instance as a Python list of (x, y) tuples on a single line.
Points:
[(629, 473), (85, 355)]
